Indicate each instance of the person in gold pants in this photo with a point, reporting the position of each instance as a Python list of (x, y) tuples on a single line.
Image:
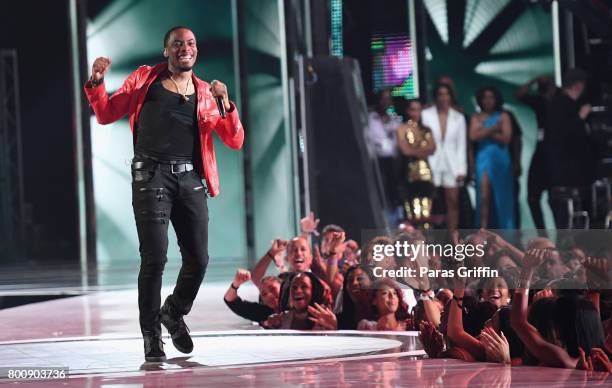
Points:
[(416, 143)]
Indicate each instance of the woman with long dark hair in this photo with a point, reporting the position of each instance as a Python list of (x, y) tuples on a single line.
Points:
[(389, 311), (354, 304), (578, 331)]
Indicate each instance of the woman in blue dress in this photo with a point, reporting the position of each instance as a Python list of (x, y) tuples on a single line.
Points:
[(491, 130)]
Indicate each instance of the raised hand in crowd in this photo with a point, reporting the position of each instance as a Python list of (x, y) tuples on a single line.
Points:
[(547, 354), (496, 347), (336, 251), (331, 276), (455, 237), (318, 264), (533, 259), (351, 254), (322, 317), (242, 276), (597, 270), (336, 244), (274, 254), (308, 225), (492, 238), (455, 330)]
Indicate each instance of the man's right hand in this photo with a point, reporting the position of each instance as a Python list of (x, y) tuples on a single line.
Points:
[(99, 68)]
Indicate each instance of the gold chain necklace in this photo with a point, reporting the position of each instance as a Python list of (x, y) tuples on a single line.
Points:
[(183, 95)]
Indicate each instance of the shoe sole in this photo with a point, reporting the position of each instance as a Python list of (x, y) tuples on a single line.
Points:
[(155, 359), (182, 350)]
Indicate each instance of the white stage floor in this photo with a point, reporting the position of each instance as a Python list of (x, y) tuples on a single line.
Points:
[(97, 337)]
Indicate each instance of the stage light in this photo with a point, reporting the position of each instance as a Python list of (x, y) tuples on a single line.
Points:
[(337, 48), (524, 35), (437, 11), (478, 15)]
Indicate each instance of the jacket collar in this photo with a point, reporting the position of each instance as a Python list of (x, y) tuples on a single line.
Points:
[(161, 67), (200, 85)]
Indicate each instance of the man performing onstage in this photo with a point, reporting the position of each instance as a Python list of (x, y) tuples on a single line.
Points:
[(172, 114)]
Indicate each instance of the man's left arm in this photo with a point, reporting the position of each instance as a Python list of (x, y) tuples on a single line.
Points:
[(230, 128)]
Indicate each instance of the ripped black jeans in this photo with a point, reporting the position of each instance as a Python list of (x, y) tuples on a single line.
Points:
[(160, 197)]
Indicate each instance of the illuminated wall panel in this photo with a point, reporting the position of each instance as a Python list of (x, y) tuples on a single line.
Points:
[(392, 64)]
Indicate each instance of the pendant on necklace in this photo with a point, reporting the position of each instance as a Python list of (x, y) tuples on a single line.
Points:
[(185, 98)]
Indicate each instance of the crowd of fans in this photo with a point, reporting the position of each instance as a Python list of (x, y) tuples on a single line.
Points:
[(427, 153), (548, 306), (544, 304)]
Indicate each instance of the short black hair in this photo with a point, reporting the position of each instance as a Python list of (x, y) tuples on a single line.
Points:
[(499, 100), (574, 76), (170, 31)]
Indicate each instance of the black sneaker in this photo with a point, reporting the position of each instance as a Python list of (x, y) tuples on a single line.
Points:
[(179, 332), (154, 349)]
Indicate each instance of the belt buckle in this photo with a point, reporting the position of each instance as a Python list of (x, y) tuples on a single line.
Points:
[(172, 169)]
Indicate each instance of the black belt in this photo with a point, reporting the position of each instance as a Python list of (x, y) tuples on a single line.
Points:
[(172, 166)]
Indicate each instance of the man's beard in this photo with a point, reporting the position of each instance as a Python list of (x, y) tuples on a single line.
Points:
[(180, 67)]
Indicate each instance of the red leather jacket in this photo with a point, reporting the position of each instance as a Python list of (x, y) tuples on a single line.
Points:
[(128, 100)]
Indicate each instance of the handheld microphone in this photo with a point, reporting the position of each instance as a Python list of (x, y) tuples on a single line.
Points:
[(220, 105)]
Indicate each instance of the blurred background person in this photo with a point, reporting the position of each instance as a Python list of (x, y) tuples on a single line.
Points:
[(569, 152), (382, 137), (515, 147), (445, 79), (416, 144), (537, 178), (491, 130), (389, 311), (466, 209), (269, 291), (449, 161)]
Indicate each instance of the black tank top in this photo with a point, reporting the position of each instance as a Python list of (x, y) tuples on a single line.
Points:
[(167, 125)]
